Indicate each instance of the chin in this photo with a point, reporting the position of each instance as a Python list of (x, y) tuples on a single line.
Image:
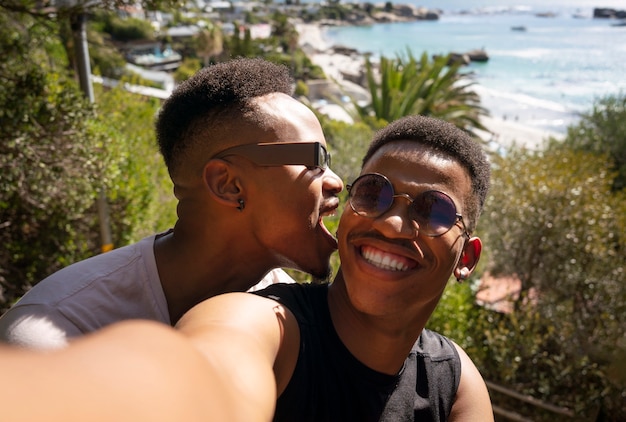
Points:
[(323, 276)]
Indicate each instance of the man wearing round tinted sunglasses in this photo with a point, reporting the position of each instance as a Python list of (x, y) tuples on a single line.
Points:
[(249, 167), (357, 349)]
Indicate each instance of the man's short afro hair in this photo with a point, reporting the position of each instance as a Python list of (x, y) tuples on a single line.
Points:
[(222, 87), (445, 138)]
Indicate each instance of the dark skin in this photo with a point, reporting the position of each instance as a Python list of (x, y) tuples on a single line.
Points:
[(279, 227), (390, 281)]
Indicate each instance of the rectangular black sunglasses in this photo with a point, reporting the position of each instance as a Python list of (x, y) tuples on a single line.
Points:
[(310, 154)]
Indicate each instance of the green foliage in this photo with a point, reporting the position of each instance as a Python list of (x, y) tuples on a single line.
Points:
[(284, 32), (51, 161), (554, 221), (571, 218), (603, 131), (209, 42), (302, 89), (57, 153), (348, 144), (405, 86), (187, 69), (105, 60), (252, 18), (456, 316), (242, 45), (139, 188), (299, 64), (123, 30), (332, 10), (41, 10)]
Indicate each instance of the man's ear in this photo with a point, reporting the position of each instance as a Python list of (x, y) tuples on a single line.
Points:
[(469, 258), (222, 182)]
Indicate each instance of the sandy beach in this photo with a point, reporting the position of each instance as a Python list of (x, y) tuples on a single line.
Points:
[(501, 134)]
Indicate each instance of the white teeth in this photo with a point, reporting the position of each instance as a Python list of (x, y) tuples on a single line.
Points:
[(383, 261)]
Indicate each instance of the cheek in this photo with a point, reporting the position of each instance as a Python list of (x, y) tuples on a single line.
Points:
[(298, 207), (344, 223), (449, 253)]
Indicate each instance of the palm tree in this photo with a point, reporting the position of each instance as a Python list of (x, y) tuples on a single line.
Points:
[(436, 88)]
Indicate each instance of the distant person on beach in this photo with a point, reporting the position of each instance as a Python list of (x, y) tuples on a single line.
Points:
[(249, 165), (357, 349)]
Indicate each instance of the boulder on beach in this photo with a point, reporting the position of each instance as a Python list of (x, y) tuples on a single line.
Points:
[(478, 55), (607, 13), (455, 58), (342, 49)]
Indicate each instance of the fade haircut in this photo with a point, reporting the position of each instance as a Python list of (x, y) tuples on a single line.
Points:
[(213, 102), (448, 140)]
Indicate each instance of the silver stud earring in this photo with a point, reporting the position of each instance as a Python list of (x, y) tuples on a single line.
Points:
[(464, 273), (242, 205)]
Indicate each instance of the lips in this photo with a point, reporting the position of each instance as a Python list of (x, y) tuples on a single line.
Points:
[(328, 210), (386, 260)]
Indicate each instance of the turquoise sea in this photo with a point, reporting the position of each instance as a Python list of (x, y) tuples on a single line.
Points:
[(542, 76)]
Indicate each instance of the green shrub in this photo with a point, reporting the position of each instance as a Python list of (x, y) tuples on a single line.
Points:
[(57, 153), (553, 219)]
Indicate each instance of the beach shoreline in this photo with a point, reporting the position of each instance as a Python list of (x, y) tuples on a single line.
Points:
[(501, 133)]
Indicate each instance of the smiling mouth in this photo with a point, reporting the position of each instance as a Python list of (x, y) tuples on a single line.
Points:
[(386, 261)]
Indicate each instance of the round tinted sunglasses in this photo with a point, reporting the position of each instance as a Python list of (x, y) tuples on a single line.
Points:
[(371, 195)]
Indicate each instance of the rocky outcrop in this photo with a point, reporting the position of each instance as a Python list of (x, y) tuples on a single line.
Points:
[(405, 13), (477, 55), (413, 12), (606, 13)]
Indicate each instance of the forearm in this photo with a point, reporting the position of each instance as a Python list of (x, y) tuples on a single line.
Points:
[(129, 371)]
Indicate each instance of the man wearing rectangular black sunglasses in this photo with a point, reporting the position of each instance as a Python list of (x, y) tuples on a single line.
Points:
[(249, 166), (356, 349)]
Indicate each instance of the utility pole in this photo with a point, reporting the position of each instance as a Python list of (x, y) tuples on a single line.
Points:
[(78, 22)]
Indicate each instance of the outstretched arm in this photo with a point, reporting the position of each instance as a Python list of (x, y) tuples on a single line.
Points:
[(218, 366), (472, 402), (132, 371)]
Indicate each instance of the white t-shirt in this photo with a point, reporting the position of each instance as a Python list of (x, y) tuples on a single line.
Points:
[(92, 294)]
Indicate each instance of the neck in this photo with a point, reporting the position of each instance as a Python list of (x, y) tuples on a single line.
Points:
[(193, 268), (381, 342)]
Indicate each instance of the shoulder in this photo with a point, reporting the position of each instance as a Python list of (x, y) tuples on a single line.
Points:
[(72, 279), (435, 345), (73, 299), (276, 276), (472, 399), (240, 312), (441, 365), (246, 328), (39, 328), (305, 301), (441, 352)]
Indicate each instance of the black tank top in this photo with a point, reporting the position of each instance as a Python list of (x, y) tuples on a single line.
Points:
[(329, 384)]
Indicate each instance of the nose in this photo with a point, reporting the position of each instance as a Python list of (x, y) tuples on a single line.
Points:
[(331, 182), (396, 221)]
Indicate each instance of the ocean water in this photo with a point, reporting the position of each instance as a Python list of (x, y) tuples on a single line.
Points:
[(542, 77)]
